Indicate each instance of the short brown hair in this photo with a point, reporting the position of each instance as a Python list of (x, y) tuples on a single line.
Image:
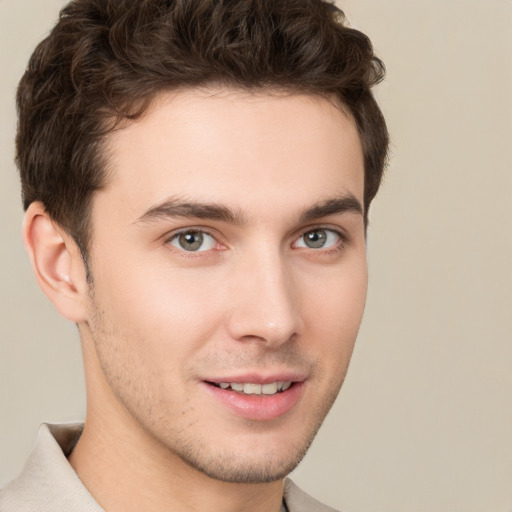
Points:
[(105, 60)]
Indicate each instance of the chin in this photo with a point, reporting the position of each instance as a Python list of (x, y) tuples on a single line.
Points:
[(262, 460), (247, 470)]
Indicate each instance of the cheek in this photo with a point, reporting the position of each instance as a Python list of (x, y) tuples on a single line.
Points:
[(147, 329), (166, 310), (338, 295), (334, 311)]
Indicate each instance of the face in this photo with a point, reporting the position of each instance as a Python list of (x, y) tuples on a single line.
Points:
[(229, 278)]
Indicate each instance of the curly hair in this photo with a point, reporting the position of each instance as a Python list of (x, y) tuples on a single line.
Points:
[(105, 60)]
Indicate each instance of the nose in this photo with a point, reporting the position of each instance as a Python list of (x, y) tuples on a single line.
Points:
[(265, 301)]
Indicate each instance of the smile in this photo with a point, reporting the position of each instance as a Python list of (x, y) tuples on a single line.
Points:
[(258, 398), (250, 388)]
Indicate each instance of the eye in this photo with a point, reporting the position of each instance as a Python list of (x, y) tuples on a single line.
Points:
[(193, 241), (319, 238)]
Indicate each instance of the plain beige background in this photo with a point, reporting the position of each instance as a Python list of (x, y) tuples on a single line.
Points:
[(424, 422)]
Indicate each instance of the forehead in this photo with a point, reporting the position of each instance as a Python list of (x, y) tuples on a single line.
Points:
[(246, 149)]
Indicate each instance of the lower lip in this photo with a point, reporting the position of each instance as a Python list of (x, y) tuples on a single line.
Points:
[(258, 407)]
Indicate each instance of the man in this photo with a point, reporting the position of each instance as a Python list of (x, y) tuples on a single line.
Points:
[(197, 176)]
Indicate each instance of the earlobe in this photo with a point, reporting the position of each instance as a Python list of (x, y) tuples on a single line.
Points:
[(56, 262)]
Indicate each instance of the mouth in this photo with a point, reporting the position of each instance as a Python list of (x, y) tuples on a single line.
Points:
[(261, 401), (251, 388)]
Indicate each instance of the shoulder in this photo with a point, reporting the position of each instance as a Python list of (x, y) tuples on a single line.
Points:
[(47, 482), (298, 501)]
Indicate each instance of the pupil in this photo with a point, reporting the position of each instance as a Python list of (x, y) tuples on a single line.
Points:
[(316, 239), (191, 241)]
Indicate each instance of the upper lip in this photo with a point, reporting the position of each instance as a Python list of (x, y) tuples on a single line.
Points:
[(259, 378)]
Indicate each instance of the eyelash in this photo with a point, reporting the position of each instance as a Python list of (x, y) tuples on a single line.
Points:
[(336, 248)]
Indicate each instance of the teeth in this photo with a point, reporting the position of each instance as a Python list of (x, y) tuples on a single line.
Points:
[(250, 388), (269, 389)]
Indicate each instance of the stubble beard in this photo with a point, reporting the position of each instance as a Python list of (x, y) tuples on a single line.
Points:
[(199, 454), (227, 469)]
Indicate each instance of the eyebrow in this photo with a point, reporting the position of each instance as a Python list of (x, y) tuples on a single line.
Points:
[(336, 205), (176, 208)]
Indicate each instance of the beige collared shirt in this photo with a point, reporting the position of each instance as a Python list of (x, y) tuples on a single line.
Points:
[(48, 483)]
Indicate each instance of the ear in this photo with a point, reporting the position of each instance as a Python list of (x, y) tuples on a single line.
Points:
[(57, 263)]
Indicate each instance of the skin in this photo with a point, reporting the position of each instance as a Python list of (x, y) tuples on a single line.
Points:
[(254, 302)]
